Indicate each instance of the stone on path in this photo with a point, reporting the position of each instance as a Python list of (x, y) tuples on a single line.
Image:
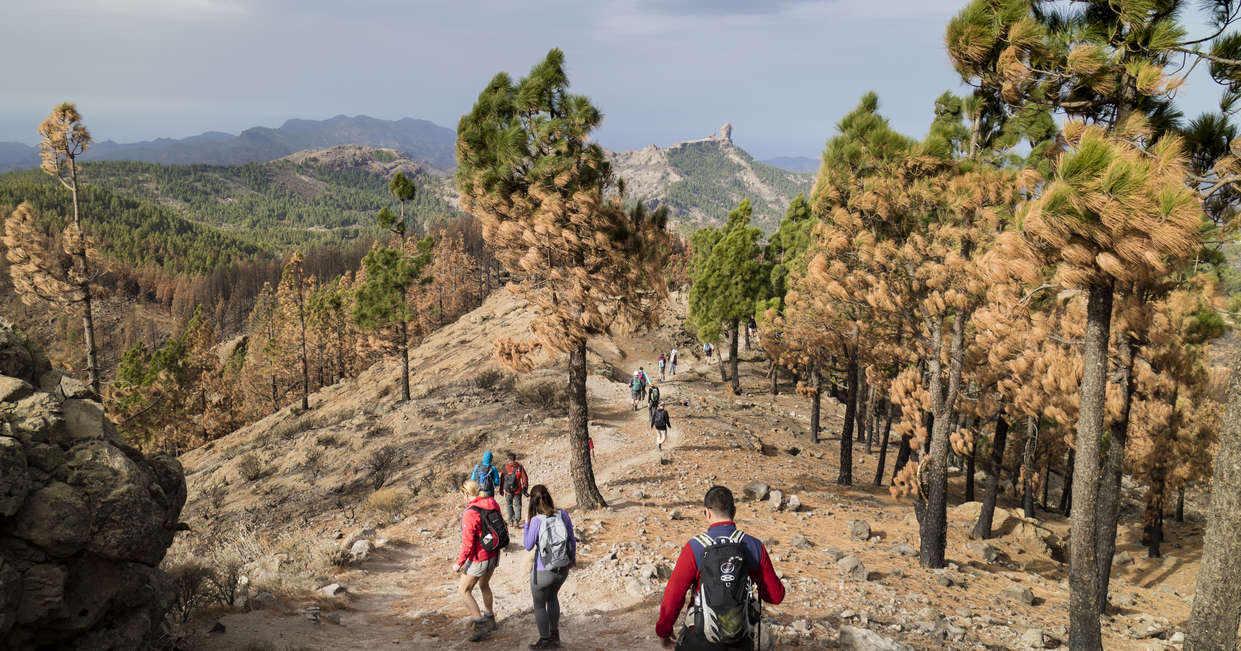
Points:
[(1018, 593), (859, 529), (851, 567), (861, 639), (756, 491), (1034, 639)]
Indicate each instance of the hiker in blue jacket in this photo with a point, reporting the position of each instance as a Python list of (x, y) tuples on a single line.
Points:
[(487, 476)]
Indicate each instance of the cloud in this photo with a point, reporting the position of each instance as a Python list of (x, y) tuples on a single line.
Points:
[(718, 7), (184, 9)]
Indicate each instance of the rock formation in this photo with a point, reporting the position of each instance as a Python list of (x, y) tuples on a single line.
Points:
[(85, 519), (726, 133)]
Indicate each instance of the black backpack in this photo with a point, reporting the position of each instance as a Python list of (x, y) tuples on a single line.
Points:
[(512, 483), (661, 419), (725, 606), (494, 534)]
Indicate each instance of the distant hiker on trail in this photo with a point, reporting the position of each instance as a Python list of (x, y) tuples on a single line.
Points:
[(720, 566), (549, 531), (590, 441), (483, 535), (635, 389), (646, 381), (663, 362), (513, 483), (660, 421), (707, 348), (652, 401), (672, 361), (487, 476)]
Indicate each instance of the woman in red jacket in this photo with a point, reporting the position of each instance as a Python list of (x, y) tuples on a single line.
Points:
[(474, 563)]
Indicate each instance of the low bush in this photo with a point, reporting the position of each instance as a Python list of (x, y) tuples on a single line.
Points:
[(250, 467), (545, 396), (381, 465), (388, 502)]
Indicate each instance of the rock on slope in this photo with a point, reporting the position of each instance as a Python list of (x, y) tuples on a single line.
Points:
[(84, 518)]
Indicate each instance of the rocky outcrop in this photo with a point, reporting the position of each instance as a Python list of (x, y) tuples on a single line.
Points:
[(85, 519)]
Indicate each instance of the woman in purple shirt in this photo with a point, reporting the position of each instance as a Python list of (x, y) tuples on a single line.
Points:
[(550, 531)]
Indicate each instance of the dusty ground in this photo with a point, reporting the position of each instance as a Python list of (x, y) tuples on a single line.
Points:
[(403, 596)]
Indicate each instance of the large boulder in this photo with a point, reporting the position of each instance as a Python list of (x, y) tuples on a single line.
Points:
[(84, 519)]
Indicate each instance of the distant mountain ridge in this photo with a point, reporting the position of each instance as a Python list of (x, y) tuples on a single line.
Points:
[(418, 139), (799, 164)]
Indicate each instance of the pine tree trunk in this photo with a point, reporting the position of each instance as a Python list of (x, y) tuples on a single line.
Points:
[(846, 436), (1217, 596), (1084, 632), (971, 467), (83, 265), (1180, 504), (747, 336), (859, 411), (1047, 483), (580, 469), (1066, 487), (816, 402), (1027, 464), (775, 379), (732, 351), (404, 360), (991, 489), (723, 369), (902, 454), (872, 408), (1152, 518), (933, 528), (1109, 488), (883, 445)]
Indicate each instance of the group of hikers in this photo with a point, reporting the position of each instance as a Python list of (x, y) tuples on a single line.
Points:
[(641, 388), (725, 572)]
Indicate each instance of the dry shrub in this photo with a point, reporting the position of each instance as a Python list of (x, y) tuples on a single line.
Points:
[(388, 502), (250, 467), (216, 494), (329, 441), (377, 432), (381, 465), (312, 458), (191, 586), (543, 395), (489, 379)]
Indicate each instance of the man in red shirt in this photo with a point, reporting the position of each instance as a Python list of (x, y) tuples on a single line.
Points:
[(719, 510), (513, 484)]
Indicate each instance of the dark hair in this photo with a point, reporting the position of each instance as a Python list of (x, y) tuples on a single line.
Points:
[(720, 500), (512, 455), (541, 501)]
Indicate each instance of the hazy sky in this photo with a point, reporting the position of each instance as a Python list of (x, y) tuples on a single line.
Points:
[(781, 71)]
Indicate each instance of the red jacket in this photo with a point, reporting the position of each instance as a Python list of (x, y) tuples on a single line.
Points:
[(514, 468), (471, 528), (685, 576)]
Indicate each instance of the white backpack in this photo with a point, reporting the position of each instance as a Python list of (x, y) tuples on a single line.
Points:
[(553, 542)]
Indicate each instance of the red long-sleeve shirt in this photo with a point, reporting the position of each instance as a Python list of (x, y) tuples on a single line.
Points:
[(471, 526), (685, 576)]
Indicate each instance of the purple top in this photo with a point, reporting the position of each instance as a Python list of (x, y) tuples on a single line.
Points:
[(531, 537)]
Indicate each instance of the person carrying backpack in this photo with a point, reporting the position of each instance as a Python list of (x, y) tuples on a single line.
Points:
[(721, 567), (513, 483), (660, 421), (652, 401), (487, 476), (549, 531), (635, 389), (483, 535), (663, 362), (646, 381), (672, 361)]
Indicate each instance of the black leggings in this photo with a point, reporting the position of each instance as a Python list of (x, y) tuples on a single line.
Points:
[(544, 587)]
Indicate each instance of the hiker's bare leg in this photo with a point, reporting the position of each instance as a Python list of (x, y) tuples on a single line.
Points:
[(465, 587), (484, 588)]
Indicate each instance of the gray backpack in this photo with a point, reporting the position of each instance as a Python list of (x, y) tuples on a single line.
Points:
[(554, 542)]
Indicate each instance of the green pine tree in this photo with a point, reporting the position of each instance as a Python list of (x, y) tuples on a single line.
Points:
[(382, 301)]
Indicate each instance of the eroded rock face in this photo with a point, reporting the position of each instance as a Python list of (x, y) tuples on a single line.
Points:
[(84, 518)]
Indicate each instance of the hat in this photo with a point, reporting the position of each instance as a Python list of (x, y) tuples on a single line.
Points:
[(487, 458)]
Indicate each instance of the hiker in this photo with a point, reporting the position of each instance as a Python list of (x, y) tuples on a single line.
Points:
[(646, 381), (513, 483), (635, 389), (660, 421), (483, 535), (720, 567), (652, 401), (706, 350), (672, 360), (487, 476), (590, 441), (663, 362), (549, 531)]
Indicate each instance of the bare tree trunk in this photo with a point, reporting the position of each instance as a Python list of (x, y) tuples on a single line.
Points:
[(1027, 466), (775, 379), (816, 401), (902, 454), (1066, 488), (1084, 632), (723, 369), (1180, 504), (872, 408), (404, 360), (991, 490), (1217, 596), (580, 469), (933, 528), (1109, 483), (1152, 518), (732, 351), (971, 467), (83, 265), (859, 411), (1047, 483), (846, 435), (883, 445)]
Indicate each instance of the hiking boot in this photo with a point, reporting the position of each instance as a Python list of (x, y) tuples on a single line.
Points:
[(491, 622), (544, 643), (556, 639), (481, 632)]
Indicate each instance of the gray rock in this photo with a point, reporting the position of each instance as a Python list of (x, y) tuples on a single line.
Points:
[(859, 529), (833, 553), (1177, 638), (800, 542), (794, 503), (775, 500), (756, 491), (71, 387), (13, 389), (361, 550), (332, 590), (861, 639), (904, 550), (1034, 638), (1122, 558), (84, 420), (1018, 593), (56, 518), (851, 567)]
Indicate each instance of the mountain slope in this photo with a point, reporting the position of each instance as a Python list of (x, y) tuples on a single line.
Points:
[(799, 164), (701, 180), (417, 139)]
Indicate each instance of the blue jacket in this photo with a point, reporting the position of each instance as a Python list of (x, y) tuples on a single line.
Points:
[(481, 471)]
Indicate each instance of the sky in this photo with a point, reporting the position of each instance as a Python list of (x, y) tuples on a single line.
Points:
[(782, 72)]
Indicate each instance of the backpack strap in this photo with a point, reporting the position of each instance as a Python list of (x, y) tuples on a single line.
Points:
[(738, 536), (704, 540)]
